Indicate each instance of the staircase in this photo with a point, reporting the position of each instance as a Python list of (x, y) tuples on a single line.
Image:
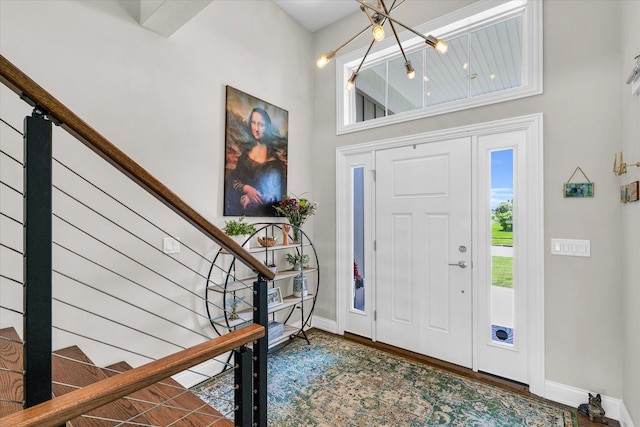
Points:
[(10, 382), (164, 403)]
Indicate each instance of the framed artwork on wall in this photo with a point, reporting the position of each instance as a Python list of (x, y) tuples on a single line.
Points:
[(578, 189), (256, 153)]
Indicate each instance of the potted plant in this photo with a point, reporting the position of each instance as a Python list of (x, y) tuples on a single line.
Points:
[(238, 229), (271, 266), (298, 260)]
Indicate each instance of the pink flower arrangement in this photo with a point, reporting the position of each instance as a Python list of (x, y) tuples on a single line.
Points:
[(296, 210)]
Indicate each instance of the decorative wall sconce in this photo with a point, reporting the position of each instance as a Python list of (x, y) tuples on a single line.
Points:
[(621, 167), (634, 77)]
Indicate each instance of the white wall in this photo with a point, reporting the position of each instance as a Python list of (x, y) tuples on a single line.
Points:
[(581, 107), (161, 101), (631, 214)]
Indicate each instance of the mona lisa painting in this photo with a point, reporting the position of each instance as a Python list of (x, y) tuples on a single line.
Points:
[(256, 147)]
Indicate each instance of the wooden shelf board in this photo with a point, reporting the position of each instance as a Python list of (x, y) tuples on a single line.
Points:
[(247, 315), (236, 285), (247, 282), (258, 249), (288, 331)]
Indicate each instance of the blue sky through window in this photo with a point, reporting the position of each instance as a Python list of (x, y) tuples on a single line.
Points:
[(501, 177)]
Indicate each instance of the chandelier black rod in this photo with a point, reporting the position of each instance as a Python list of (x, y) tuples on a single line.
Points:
[(393, 28), (365, 56)]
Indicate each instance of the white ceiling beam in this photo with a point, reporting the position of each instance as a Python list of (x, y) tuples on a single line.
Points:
[(165, 17)]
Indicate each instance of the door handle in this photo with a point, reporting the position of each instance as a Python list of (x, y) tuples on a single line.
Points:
[(461, 264)]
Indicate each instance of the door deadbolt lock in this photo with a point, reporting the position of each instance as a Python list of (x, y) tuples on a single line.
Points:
[(461, 264), (462, 249)]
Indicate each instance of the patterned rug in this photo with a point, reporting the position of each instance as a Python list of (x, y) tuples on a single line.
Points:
[(336, 382)]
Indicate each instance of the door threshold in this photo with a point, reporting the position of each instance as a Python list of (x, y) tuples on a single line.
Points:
[(447, 366)]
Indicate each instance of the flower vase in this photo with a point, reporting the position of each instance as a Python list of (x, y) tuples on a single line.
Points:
[(300, 288), (296, 234)]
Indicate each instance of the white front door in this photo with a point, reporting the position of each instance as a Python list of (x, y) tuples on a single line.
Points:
[(423, 249), (419, 206)]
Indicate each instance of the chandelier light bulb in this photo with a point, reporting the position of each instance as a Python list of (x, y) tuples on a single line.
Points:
[(352, 81), (378, 33), (322, 61), (411, 73), (441, 46)]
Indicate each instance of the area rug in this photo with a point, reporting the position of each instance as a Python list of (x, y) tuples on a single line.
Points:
[(335, 382)]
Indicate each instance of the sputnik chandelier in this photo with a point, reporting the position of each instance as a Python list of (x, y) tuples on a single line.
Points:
[(378, 15)]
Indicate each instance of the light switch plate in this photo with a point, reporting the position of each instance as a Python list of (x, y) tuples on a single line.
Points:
[(571, 247), (170, 245)]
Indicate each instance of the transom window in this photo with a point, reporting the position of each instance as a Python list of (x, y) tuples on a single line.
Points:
[(494, 56)]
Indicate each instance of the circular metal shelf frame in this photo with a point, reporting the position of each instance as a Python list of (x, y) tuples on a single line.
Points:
[(231, 284)]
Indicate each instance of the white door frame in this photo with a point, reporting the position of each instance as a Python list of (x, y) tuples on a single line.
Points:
[(534, 186)]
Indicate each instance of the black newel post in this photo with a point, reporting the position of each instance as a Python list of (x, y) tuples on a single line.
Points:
[(37, 259), (260, 348), (243, 393)]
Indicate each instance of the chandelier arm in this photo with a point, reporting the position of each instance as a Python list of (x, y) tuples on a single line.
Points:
[(366, 12), (365, 56), (395, 34), (351, 39), (386, 15), (393, 6)]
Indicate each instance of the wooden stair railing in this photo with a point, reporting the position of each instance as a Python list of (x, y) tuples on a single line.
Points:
[(34, 94), (75, 403)]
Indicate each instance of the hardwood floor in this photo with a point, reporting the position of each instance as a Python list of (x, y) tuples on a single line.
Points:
[(486, 378)]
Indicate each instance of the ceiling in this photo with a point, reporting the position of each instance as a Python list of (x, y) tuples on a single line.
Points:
[(316, 14)]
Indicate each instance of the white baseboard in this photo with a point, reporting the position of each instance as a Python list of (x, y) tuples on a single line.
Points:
[(325, 324), (625, 417), (574, 397)]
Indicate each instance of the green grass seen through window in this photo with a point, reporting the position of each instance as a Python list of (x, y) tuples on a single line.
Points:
[(501, 267), (502, 271), (499, 237)]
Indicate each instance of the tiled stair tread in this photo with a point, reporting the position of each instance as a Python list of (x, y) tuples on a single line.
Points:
[(11, 383), (161, 415), (79, 372)]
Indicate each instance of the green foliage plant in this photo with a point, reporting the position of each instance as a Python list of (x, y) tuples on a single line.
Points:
[(298, 259), (504, 215), (238, 227)]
